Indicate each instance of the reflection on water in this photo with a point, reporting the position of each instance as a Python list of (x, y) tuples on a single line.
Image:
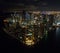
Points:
[(58, 33)]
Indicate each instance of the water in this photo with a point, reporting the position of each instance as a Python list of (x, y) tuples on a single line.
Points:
[(58, 37)]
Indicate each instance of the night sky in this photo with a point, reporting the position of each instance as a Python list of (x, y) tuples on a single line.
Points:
[(41, 4)]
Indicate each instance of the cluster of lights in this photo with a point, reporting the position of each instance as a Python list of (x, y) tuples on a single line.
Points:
[(29, 41), (25, 25)]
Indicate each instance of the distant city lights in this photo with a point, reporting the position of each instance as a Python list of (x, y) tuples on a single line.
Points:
[(32, 26)]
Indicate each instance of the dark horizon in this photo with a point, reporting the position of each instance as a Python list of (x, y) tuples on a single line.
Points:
[(38, 4)]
